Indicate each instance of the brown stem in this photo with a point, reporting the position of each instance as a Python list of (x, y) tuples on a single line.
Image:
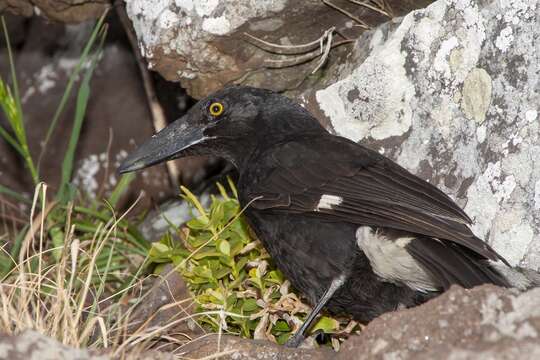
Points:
[(158, 115)]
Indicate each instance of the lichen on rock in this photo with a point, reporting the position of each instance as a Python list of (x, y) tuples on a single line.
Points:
[(452, 95), (177, 36)]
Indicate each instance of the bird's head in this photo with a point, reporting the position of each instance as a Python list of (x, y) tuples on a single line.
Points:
[(231, 123)]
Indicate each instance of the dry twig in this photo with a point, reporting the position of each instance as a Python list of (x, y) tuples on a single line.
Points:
[(360, 22), (377, 6), (318, 48), (158, 115)]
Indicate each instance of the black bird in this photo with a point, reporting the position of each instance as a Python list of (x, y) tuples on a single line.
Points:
[(352, 230)]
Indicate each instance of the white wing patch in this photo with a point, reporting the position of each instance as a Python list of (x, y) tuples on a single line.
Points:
[(391, 260), (328, 202)]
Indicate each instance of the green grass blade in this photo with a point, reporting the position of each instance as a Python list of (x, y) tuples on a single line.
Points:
[(64, 195), (11, 141), (7, 191), (121, 188), (67, 164), (11, 105), (72, 78), (17, 98)]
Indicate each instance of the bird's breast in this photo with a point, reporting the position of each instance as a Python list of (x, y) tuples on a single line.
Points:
[(309, 252)]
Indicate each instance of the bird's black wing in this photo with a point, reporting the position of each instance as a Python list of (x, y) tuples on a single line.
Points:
[(333, 178)]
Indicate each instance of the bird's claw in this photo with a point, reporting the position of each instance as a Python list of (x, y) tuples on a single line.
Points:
[(295, 341)]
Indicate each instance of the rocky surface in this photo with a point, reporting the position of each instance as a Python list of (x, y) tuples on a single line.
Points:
[(69, 11), (174, 212), (203, 44), (452, 94), (168, 300), (482, 323), (235, 348), (31, 345)]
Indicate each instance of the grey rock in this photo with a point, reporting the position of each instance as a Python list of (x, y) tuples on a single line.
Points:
[(203, 43), (452, 93), (69, 11), (236, 348), (481, 323), (167, 301), (173, 212), (31, 345)]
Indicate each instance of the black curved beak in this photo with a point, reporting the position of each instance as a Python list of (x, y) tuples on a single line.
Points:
[(165, 145)]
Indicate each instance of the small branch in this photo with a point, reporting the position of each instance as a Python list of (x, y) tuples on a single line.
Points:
[(328, 37), (378, 8), (297, 60), (158, 115), (343, 11), (284, 49), (309, 51)]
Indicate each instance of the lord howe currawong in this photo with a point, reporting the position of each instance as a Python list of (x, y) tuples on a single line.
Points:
[(353, 231)]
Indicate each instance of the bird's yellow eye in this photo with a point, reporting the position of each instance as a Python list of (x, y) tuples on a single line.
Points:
[(216, 109)]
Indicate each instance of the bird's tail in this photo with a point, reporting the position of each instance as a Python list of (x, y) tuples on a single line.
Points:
[(518, 277)]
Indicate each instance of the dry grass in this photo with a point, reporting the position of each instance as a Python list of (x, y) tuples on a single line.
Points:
[(67, 296), (57, 298)]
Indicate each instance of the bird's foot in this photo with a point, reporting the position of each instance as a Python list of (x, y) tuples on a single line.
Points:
[(295, 341)]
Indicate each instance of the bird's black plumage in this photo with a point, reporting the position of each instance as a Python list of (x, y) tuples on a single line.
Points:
[(348, 227)]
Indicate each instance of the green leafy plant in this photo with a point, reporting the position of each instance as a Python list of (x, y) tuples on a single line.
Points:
[(231, 276)]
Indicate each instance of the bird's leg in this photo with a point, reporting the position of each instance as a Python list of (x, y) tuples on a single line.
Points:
[(299, 336)]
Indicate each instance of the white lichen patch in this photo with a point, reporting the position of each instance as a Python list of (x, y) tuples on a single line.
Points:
[(46, 78), (49, 76), (217, 26), (205, 7), (531, 115), (87, 175), (441, 63), (375, 99), (489, 190), (167, 19), (68, 64), (481, 133), (537, 195), (515, 241), (185, 27), (505, 38), (516, 10), (482, 206), (184, 4), (333, 107)]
